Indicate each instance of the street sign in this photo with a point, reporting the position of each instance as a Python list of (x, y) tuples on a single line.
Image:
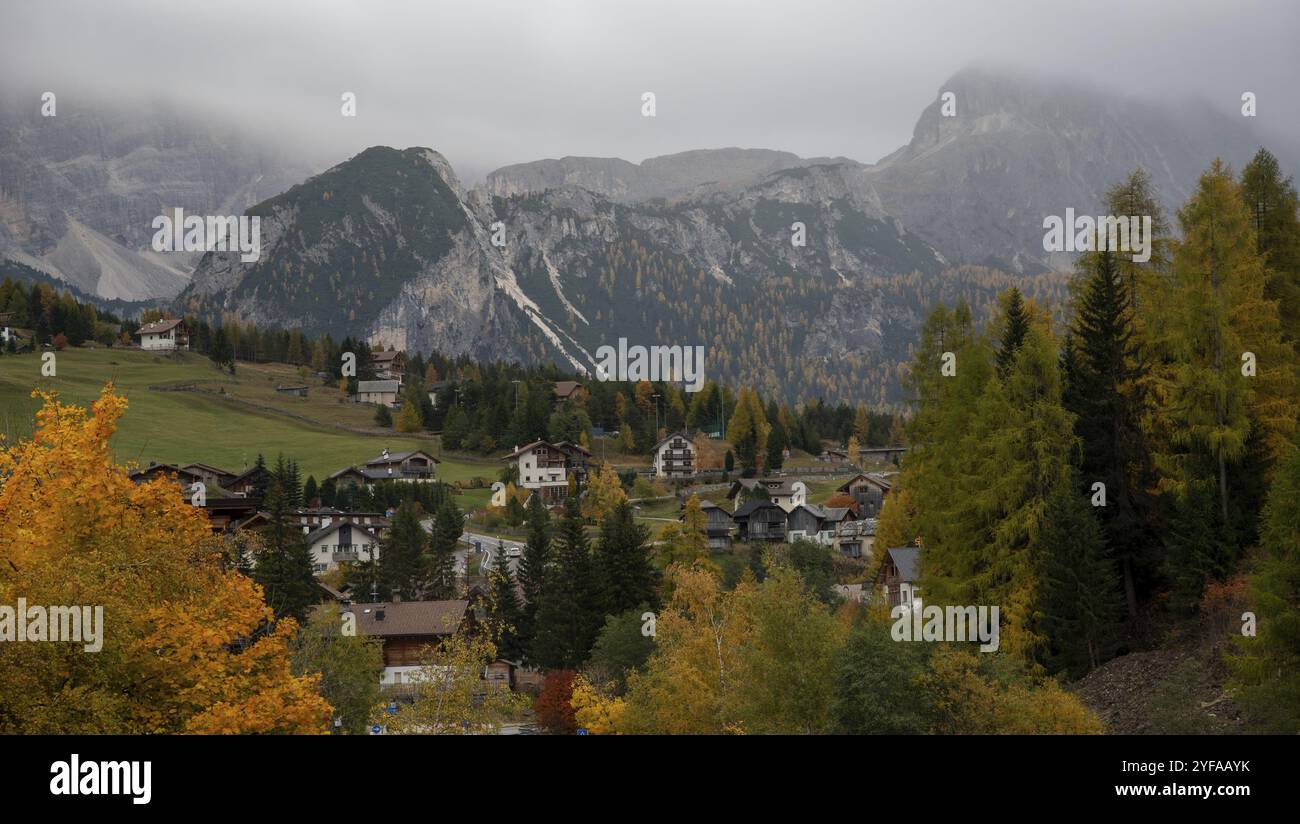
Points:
[(375, 729)]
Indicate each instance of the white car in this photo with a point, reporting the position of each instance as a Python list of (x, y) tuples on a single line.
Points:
[(514, 552)]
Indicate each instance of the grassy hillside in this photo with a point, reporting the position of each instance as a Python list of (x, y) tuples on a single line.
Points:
[(216, 418)]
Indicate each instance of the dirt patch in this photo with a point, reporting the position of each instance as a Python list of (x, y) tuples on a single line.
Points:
[(1161, 692)]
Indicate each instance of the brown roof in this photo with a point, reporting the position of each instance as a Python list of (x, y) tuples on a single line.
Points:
[(564, 389), (158, 327), (385, 356), (410, 617), (875, 480)]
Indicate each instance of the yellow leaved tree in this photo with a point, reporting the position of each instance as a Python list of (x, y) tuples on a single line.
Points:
[(186, 645)]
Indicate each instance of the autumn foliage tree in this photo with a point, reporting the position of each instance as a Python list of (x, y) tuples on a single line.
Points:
[(188, 645)]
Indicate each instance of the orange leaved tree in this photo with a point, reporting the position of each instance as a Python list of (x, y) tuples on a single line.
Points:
[(185, 646)]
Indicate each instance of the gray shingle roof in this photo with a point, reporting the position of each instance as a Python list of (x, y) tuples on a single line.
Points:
[(908, 561)]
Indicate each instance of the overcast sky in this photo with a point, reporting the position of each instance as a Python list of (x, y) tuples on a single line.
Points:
[(492, 83)]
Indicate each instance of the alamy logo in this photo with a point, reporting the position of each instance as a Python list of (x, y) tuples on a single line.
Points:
[(655, 363), (77, 777), (913, 621), (81, 625), (180, 232), (1084, 233)]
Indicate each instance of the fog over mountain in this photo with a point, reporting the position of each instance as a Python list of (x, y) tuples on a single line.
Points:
[(379, 225)]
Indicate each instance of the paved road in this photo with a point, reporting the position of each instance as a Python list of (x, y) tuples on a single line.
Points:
[(489, 544), (486, 543)]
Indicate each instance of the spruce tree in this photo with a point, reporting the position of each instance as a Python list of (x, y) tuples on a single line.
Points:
[(1015, 325), (505, 606), (1082, 604), (448, 525), (1104, 383), (532, 567), (627, 575), (1273, 204), (284, 566), (569, 615), (403, 568)]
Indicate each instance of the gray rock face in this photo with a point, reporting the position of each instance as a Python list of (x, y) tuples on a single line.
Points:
[(79, 192), (978, 185), (669, 176), (382, 246)]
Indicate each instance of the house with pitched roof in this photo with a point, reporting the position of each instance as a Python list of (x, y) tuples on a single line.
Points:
[(381, 392), (783, 492), (546, 467), (900, 569), (674, 456), (341, 542), (868, 490), (164, 335), (388, 365), (760, 521), (405, 629)]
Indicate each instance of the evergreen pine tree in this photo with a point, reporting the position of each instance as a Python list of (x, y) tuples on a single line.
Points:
[(1015, 325), (569, 615), (1104, 382), (448, 525), (532, 567), (284, 566), (626, 573), (1273, 204), (403, 568), (1082, 604), (505, 606)]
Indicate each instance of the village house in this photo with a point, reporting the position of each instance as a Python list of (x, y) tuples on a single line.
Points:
[(164, 335), (6, 319), (296, 390), (381, 392), (184, 476), (212, 476), (868, 491), (821, 524), (249, 481), (783, 492), (313, 518), (857, 538), (804, 522), (341, 542), (760, 521), (563, 391), (882, 454), (546, 467), (717, 525), (900, 569), (405, 628), (415, 465), (674, 457), (389, 366), (836, 456), (230, 515)]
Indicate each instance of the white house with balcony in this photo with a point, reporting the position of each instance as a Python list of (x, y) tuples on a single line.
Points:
[(341, 542), (546, 467), (674, 457), (164, 335)]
